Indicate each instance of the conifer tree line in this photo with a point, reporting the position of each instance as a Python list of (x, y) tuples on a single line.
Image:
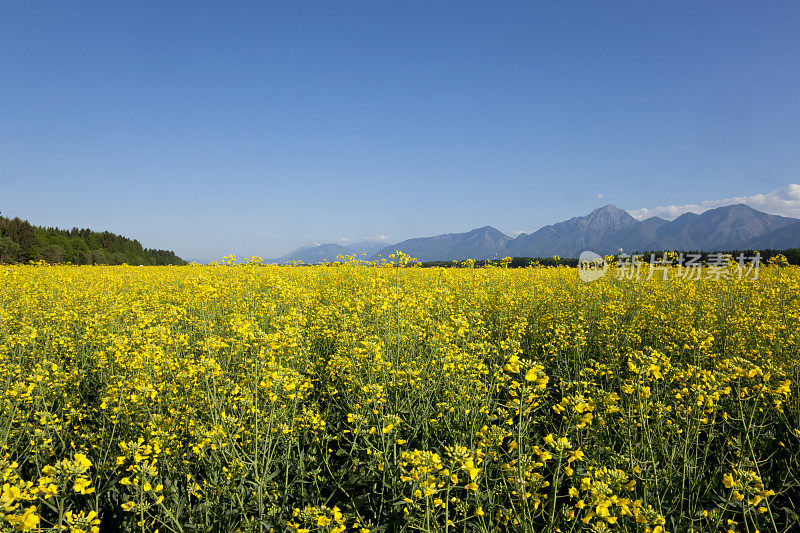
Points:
[(21, 242)]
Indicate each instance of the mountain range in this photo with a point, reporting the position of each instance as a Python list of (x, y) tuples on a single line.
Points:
[(324, 253), (604, 230)]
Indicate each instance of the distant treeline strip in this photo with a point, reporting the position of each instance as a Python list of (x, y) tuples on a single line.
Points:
[(516, 262), (792, 256), (21, 242)]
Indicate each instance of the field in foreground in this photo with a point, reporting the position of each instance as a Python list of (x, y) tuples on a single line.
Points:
[(359, 398)]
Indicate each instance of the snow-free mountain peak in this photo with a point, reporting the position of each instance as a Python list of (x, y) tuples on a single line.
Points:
[(604, 230)]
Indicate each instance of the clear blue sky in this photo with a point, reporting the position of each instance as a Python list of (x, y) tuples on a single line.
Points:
[(256, 127)]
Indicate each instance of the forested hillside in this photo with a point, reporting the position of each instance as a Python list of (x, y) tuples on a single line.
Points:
[(21, 242)]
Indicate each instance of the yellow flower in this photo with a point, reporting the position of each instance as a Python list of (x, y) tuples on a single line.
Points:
[(576, 455), (27, 521), (471, 469), (82, 486), (83, 461), (82, 522), (9, 495)]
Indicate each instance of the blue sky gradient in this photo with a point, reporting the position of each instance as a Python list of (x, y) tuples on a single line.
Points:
[(257, 127)]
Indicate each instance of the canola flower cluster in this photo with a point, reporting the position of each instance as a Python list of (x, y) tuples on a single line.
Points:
[(353, 397)]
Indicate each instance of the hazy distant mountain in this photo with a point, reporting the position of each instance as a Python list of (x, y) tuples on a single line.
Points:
[(480, 243), (636, 237), (367, 247), (723, 228), (779, 239), (604, 230), (325, 253), (569, 238), (608, 229)]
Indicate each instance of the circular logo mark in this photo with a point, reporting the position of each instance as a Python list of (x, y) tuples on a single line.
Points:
[(591, 266)]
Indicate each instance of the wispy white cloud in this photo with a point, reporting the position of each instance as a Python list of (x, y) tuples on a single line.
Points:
[(600, 195), (376, 238), (785, 201)]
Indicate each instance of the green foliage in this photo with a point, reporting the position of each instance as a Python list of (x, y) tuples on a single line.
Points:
[(21, 242)]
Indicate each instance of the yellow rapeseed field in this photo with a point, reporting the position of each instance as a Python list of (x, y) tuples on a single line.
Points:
[(365, 398)]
